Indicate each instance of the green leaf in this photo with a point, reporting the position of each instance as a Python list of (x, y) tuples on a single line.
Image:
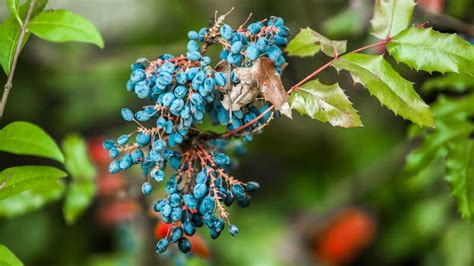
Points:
[(326, 103), (7, 258), (31, 200), (10, 33), (391, 17), (65, 26), (24, 138), (429, 50), (348, 22), (435, 145), (14, 8), (447, 108), (82, 190), (450, 81), (384, 82), (79, 196), (308, 42), (22, 178), (77, 161), (460, 176)]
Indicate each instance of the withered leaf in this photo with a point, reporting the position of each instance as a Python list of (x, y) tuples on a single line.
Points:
[(243, 93), (271, 87)]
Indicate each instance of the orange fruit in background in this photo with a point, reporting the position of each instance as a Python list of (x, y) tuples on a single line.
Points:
[(345, 237)]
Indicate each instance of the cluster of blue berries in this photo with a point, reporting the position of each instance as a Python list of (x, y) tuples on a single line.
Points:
[(180, 92)]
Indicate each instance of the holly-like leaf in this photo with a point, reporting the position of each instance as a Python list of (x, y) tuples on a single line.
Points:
[(7, 257), (384, 82), (446, 108), (271, 87), (326, 103), (10, 33), (308, 42), (22, 178), (65, 26), (429, 50), (82, 189), (391, 17), (460, 176), (14, 8), (435, 145), (450, 81), (31, 200), (24, 138)]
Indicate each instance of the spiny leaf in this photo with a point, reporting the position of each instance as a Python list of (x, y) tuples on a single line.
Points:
[(435, 145), (65, 26), (391, 17), (17, 179), (384, 82), (14, 8), (429, 50), (460, 176), (326, 103), (10, 33), (450, 81), (31, 200), (24, 138), (82, 190), (445, 108), (308, 42), (7, 257)]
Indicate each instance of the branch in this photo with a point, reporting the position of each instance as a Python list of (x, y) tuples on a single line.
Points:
[(297, 85), (9, 84)]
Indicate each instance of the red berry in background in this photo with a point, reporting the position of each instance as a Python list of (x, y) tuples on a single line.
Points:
[(435, 6), (109, 185), (117, 212), (98, 154), (346, 236)]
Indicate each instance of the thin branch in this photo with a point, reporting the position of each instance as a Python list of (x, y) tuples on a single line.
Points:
[(297, 85), (9, 84)]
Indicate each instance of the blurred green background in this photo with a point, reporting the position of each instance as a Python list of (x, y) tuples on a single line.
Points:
[(311, 173)]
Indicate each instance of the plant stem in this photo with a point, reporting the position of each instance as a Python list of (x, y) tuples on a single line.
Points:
[(9, 84), (301, 82)]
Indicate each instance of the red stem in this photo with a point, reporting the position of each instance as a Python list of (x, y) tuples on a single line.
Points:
[(297, 85)]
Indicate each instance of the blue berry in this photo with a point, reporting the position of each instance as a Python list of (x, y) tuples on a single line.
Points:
[(193, 35), (184, 245), (162, 245), (233, 230), (147, 188), (226, 32), (193, 46), (127, 114)]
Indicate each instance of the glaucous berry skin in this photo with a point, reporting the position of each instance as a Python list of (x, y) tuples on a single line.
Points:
[(184, 245), (233, 230), (189, 228), (127, 114), (114, 167), (162, 245), (176, 234), (147, 188), (159, 205), (252, 186), (143, 139), (226, 32)]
